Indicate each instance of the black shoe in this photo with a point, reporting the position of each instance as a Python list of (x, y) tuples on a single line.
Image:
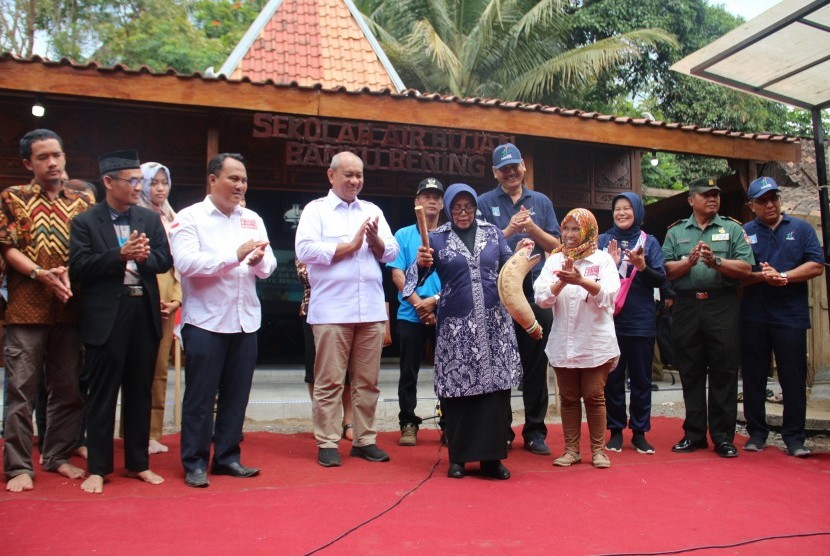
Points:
[(614, 443), (234, 469), (686, 446), (755, 445), (495, 470), (537, 447), (456, 471), (370, 452), (196, 479), (641, 444), (328, 457), (726, 450), (798, 451), (655, 387)]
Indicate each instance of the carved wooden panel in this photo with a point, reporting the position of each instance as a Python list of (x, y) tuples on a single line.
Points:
[(613, 170)]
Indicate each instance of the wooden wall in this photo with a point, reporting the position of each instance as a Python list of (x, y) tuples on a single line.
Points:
[(818, 348)]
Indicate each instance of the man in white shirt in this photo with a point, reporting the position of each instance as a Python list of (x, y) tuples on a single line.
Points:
[(219, 249), (343, 240)]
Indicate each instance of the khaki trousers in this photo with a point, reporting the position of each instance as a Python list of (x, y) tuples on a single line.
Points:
[(170, 289), (159, 396), (341, 349), (576, 386), (55, 351)]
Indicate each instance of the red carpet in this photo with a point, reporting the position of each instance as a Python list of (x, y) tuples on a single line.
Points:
[(665, 503)]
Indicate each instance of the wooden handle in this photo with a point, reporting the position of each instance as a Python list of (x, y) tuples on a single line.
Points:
[(422, 225)]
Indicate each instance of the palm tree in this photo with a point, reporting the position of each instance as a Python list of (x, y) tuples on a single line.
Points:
[(508, 49)]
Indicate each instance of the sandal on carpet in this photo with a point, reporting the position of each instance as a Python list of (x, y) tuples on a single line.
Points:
[(348, 432), (567, 459)]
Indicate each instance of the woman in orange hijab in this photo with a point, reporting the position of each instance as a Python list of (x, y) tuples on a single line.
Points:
[(579, 282)]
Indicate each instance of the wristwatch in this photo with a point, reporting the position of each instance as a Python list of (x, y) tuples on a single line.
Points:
[(718, 261), (783, 275), (33, 273)]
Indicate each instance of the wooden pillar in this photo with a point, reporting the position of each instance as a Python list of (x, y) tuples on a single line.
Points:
[(212, 148)]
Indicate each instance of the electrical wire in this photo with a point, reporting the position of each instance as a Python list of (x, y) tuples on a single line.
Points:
[(717, 546), (387, 510)]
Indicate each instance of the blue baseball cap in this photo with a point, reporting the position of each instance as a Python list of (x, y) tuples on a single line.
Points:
[(761, 186), (506, 154)]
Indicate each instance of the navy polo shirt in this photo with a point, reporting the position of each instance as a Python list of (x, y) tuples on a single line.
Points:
[(496, 207), (791, 244)]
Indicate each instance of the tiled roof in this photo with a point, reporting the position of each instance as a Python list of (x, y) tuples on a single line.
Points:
[(432, 98), (798, 181), (312, 42)]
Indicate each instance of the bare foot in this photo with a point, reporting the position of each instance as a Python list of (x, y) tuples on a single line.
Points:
[(70, 471), (147, 476), (82, 452), (20, 483), (94, 484), (156, 447)]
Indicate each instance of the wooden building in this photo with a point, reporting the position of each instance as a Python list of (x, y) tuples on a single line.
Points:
[(288, 134)]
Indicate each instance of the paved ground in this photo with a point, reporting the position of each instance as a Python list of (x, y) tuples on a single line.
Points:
[(280, 403)]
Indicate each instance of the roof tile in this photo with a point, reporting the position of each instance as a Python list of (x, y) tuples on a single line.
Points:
[(314, 41), (369, 90)]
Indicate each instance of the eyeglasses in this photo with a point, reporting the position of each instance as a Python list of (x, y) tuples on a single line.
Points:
[(467, 209), (763, 201), (132, 181)]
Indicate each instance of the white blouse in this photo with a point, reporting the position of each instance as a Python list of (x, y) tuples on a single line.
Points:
[(583, 333)]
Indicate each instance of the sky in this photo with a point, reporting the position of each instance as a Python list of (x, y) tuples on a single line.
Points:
[(745, 8)]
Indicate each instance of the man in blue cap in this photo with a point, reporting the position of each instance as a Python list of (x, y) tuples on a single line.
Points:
[(775, 315), (523, 213)]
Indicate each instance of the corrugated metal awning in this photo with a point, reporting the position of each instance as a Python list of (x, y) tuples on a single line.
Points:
[(783, 55)]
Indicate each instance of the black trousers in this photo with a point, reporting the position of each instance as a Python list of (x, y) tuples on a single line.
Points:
[(789, 345), (412, 337), (222, 363), (535, 379), (636, 354), (707, 346), (126, 361)]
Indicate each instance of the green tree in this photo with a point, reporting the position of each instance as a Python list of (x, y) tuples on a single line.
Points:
[(509, 49), (160, 35), (187, 35), (669, 95)]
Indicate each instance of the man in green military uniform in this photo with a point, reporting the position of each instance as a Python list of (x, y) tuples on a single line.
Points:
[(707, 255)]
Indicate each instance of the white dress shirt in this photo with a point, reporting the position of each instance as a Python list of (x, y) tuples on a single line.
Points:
[(349, 290), (219, 291), (583, 333)]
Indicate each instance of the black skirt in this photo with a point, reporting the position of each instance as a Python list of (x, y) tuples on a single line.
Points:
[(477, 426)]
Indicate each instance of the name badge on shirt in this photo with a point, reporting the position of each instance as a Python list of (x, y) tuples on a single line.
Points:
[(720, 237), (248, 223), (496, 211), (592, 270)]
